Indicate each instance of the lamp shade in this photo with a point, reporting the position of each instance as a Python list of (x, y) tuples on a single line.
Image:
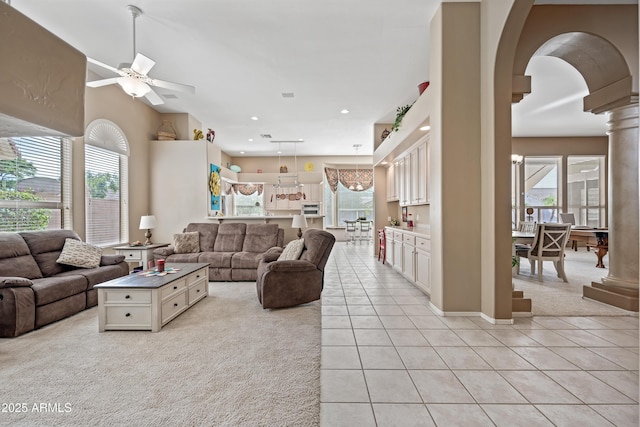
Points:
[(299, 221), (133, 87), (147, 222)]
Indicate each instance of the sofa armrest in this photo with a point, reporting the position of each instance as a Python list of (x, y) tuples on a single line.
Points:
[(111, 260), (297, 265), (14, 282), (164, 252), (272, 254)]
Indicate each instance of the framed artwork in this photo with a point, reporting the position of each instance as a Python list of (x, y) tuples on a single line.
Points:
[(404, 214), (214, 186)]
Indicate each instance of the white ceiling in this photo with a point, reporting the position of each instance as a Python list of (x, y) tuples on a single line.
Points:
[(366, 56)]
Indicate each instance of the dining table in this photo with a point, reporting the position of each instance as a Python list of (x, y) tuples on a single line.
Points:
[(596, 238)]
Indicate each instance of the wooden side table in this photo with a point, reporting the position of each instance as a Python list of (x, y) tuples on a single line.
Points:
[(139, 254)]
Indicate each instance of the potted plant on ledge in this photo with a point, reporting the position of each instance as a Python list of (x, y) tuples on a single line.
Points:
[(400, 112)]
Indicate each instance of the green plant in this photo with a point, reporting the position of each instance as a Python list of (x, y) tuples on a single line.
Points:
[(400, 112)]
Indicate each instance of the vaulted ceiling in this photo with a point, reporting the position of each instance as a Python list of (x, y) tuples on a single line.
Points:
[(295, 66)]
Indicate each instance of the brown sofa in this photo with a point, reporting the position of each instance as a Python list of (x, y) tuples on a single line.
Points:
[(233, 250), (292, 282), (35, 290)]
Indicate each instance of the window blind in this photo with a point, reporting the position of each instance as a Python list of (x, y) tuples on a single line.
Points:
[(32, 183)]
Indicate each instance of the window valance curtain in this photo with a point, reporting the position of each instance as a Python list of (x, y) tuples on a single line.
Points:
[(248, 189), (349, 177)]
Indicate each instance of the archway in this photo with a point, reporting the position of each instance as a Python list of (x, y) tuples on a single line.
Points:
[(608, 63)]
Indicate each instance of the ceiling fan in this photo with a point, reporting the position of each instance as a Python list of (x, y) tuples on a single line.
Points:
[(133, 77)]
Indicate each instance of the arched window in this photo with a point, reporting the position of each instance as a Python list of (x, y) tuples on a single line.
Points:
[(106, 163)]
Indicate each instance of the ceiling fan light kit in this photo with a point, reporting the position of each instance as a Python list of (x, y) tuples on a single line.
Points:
[(133, 76)]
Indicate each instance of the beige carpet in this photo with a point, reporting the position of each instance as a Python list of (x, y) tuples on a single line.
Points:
[(553, 297), (224, 362)]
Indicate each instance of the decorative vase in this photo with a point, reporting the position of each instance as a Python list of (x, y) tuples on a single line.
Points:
[(166, 131), (422, 87), (283, 169)]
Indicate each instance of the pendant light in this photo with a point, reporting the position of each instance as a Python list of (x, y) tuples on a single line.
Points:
[(358, 186)]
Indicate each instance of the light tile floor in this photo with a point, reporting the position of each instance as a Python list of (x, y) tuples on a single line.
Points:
[(388, 360)]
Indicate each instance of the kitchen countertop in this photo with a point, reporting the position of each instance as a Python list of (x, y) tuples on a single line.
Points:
[(418, 231)]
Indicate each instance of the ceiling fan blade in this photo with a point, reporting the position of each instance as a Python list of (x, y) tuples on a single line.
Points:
[(103, 82), (154, 98), (103, 65), (142, 64), (173, 86)]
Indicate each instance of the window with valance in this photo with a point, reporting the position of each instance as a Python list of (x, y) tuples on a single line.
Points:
[(247, 189), (349, 178)]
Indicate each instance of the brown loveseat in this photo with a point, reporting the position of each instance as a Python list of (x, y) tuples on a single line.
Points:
[(233, 250), (35, 290), (285, 283)]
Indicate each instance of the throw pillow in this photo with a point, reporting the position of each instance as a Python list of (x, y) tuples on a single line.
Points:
[(79, 254), (292, 251), (186, 243)]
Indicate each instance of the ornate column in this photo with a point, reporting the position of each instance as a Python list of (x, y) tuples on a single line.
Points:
[(620, 287)]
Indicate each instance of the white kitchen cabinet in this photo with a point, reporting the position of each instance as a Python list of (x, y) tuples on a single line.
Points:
[(411, 177), (397, 250), (423, 264), (392, 194), (408, 256)]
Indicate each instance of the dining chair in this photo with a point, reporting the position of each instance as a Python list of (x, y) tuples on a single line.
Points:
[(527, 227), (570, 218), (548, 245), (351, 231)]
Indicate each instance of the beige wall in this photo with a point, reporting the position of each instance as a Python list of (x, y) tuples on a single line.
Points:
[(271, 165), (139, 123)]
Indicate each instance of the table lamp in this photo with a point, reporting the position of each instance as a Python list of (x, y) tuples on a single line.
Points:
[(299, 222), (147, 222)]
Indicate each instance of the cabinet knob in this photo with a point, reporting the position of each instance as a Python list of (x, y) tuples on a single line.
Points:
[(175, 304), (128, 314), (131, 255), (197, 276), (175, 287), (197, 290), (127, 296)]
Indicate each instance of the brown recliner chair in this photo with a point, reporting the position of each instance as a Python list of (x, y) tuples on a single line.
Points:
[(288, 283)]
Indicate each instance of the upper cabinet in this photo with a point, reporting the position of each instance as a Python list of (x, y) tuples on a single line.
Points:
[(408, 177)]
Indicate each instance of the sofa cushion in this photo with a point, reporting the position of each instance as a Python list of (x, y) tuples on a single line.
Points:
[(208, 233), (111, 259), (246, 260), (45, 247), (292, 251), (230, 237), (15, 257), (190, 257), (14, 282), (51, 289), (185, 243), (260, 237), (216, 259), (100, 274), (79, 254)]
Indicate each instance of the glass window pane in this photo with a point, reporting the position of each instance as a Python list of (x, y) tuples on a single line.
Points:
[(250, 205), (585, 189), (541, 183), (353, 204), (30, 183), (102, 196)]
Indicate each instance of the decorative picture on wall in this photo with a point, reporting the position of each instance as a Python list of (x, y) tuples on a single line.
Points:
[(404, 214), (214, 186)]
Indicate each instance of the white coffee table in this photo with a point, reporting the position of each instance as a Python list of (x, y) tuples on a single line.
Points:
[(137, 302)]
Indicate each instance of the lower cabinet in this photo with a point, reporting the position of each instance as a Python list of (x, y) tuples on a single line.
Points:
[(410, 254), (389, 244), (423, 264)]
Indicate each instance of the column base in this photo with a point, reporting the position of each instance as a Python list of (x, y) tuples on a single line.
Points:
[(624, 298)]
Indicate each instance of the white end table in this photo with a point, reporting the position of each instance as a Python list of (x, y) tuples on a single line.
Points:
[(140, 254)]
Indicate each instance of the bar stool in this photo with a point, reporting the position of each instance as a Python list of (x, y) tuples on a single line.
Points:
[(351, 231), (382, 245), (365, 231)]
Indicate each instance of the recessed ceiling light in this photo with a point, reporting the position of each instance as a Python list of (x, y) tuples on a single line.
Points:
[(344, 111), (427, 127), (384, 163), (300, 139), (254, 118), (279, 152), (242, 152), (250, 139)]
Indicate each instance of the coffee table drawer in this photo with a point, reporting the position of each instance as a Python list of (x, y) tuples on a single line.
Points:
[(121, 316), (127, 296), (198, 275), (172, 287), (173, 306), (197, 291)]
